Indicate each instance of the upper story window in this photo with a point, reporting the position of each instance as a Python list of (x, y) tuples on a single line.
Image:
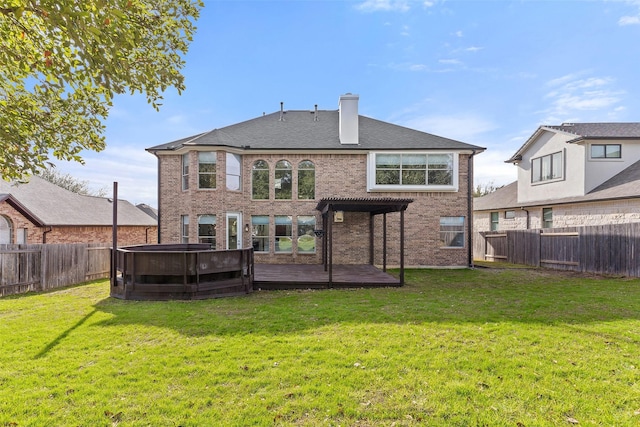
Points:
[(207, 169), (606, 151), (260, 180), (185, 171), (413, 171), (234, 171), (547, 168), (306, 180), (283, 180)]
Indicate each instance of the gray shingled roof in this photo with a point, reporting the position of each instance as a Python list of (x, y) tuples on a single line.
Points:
[(600, 130), (299, 131), (53, 205), (624, 185), (582, 131)]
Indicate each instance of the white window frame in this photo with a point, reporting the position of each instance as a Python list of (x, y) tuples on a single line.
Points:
[(371, 173), (288, 221), (185, 171), (231, 173), (203, 161), (203, 237), (184, 228), (301, 223)]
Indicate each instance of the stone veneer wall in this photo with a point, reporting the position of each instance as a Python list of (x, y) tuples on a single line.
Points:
[(569, 215), (341, 175)]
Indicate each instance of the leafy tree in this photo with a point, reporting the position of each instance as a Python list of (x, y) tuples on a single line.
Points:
[(67, 181), (62, 63)]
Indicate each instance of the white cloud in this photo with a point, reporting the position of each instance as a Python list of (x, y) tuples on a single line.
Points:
[(405, 31), (383, 6), (473, 49), (407, 66), (133, 169), (489, 167), (466, 127), (458, 34), (572, 96), (450, 61), (629, 20)]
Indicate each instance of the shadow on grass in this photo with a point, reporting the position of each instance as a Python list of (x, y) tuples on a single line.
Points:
[(63, 335), (430, 296)]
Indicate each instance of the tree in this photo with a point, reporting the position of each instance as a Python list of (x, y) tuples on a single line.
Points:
[(484, 189), (68, 182), (62, 63)]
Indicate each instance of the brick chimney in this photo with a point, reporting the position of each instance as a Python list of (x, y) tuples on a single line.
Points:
[(348, 113)]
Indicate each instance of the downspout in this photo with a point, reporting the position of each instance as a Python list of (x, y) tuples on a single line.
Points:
[(146, 234), (159, 212), (470, 209), (44, 234)]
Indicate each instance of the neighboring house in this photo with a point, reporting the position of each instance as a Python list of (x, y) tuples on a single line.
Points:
[(575, 174), (42, 212), (151, 211), (274, 182)]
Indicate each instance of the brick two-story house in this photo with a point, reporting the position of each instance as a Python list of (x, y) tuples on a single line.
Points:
[(281, 181), (574, 174)]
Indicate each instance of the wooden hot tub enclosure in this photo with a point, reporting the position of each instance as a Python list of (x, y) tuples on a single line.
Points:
[(181, 272)]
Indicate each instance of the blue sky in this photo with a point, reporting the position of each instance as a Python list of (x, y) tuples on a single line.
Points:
[(483, 72)]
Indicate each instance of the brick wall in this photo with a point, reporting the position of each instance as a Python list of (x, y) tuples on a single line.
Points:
[(336, 176), (18, 221), (127, 235)]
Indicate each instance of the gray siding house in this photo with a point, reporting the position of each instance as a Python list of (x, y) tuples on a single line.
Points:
[(574, 174)]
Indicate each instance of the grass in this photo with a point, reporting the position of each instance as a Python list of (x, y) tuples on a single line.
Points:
[(482, 347)]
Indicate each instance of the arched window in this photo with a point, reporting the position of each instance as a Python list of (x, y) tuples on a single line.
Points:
[(5, 230), (260, 180), (306, 180), (284, 178)]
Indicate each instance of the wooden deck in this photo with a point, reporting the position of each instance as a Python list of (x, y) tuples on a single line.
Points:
[(299, 276)]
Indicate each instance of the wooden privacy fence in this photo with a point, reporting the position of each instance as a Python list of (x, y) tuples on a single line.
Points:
[(25, 268), (603, 249)]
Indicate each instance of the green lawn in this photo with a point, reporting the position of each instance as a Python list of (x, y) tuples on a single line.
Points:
[(482, 347)]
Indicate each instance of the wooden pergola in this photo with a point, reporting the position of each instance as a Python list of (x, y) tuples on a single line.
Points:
[(375, 206)]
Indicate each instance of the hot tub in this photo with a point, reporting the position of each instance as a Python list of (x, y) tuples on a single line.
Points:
[(181, 272)]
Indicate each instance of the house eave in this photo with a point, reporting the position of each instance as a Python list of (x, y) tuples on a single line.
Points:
[(13, 202)]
